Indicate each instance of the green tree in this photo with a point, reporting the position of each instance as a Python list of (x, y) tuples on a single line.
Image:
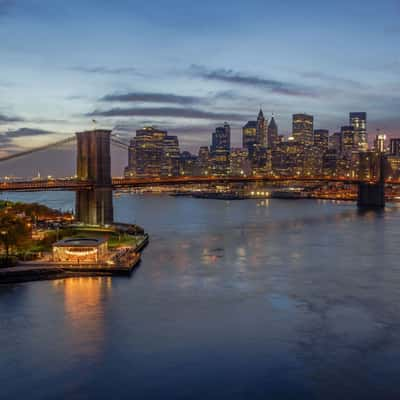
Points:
[(14, 232)]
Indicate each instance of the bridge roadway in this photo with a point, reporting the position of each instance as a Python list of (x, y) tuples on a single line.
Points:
[(119, 183)]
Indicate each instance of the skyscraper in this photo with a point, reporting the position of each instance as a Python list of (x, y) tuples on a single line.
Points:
[(240, 164), (188, 164), (203, 161), (348, 139), (335, 142), (146, 152), (321, 139), (272, 134), (329, 162), (379, 143), (221, 138), (249, 135), (171, 156), (303, 129), (220, 148), (358, 120), (261, 131), (395, 147)]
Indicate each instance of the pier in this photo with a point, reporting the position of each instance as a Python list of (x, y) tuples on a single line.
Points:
[(46, 270)]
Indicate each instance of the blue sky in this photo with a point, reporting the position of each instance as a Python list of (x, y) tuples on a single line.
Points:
[(188, 66)]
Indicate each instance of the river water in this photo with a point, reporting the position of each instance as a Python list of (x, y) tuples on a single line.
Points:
[(278, 299)]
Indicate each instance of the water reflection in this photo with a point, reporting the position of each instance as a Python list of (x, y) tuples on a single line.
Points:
[(84, 302), (295, 300)]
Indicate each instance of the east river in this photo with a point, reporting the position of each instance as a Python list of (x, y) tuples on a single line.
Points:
[(279, 299)]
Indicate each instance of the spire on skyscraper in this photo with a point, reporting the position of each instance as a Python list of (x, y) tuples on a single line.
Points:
[(261, 135), (272, 123), (272, 134)]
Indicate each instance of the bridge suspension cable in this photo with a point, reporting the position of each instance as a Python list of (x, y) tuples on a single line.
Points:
[(119, 143), (36, 149)]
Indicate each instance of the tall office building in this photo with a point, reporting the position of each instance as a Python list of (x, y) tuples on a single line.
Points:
[(171, 156), (321, 139), (249, 135), (240, 164), (349, 143), (395, 147), (188, 164), (303, 129), (221, 138), (220, 148), (368, 167), (261, 131), (288, 158), (203, 161), (312, 161), (379, 143), (272, 134), (146, 153), (335, 142), (329, 162), (358, 120)]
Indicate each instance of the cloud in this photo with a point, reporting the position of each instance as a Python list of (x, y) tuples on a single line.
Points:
[(172, 98), (170, 112), (106, 70), (9, 136), (238, 78), (141, 97), (26, 132), (227, 95), (332, 79), (201, 133), (5, 119)]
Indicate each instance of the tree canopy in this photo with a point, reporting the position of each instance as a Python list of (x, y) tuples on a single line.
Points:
[(14, 232)]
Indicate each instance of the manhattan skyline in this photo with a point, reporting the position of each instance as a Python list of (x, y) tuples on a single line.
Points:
[(129, 65)]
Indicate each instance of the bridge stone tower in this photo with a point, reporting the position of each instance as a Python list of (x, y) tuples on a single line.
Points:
[(372, 195), (93, 157), (94, 206)]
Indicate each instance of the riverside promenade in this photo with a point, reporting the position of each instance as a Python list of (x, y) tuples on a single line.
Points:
[(45, 270)]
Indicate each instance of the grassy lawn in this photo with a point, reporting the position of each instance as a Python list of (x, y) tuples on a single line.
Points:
[(123, 240), (115, 239)]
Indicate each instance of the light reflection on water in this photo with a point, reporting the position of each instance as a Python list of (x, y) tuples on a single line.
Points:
[(84, 300), (247, 299)]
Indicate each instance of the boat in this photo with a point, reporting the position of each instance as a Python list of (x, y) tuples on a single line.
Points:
[(220, 195), (290, 194)]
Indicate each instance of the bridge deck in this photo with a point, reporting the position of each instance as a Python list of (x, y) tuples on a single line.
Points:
[(61, 184)]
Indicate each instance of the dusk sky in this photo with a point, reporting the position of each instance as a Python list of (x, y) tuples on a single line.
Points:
[(188, 66)]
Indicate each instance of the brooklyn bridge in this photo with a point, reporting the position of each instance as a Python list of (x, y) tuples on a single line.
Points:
[(94, 184)]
